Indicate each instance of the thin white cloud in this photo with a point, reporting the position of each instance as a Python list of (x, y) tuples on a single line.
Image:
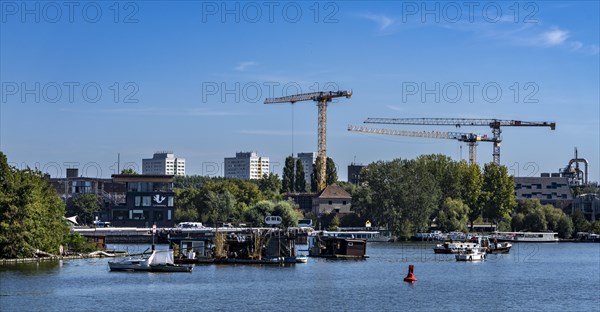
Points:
[(576, 45), (554, 37), (383, 21), (395, 108), (244, 65)]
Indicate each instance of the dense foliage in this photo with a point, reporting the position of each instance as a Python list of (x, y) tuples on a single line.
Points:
[(409, 195), (232, 200), (31, 213), (532, 216), (85, 207)]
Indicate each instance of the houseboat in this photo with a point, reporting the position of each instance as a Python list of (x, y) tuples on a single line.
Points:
[(370, 234), (526, 237), (249, 246), (336, 247)]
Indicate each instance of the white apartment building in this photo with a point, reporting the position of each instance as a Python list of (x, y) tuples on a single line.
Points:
[(308, 162), (246, 165), (164, 163)]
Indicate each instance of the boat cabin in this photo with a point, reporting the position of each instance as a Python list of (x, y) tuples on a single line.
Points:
[(337, 247)]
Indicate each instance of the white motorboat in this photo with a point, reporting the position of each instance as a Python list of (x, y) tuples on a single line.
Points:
[(471, 254), (158, 261), (454, 247)]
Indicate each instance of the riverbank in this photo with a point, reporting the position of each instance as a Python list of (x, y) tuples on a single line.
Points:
[(95, 254)]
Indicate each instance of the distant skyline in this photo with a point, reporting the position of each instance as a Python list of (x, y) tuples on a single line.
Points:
[(82, 82)]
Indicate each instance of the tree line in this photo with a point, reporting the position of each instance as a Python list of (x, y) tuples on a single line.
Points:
[(294, 181), (410, 196), (215, 200), (32, 215)]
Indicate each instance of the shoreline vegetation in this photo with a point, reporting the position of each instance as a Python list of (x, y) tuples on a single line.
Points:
[(402, 195)]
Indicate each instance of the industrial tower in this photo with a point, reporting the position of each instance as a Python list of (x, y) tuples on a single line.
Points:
[(495, 124), (322, 98), (470, 138)]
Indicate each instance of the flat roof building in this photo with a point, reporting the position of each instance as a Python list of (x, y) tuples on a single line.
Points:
[(549, 190), (164, 163), (246, 166), (149, 200), (354, 173), (308, 162)]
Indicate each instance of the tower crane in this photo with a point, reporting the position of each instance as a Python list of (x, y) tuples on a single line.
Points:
[(322, 99), (470, 138), (495, 124)]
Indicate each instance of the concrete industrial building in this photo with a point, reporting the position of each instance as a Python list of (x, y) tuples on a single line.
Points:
[(354, 173), (554, 190), (588, 204), (308, 162), (246, 166), (163, 163)]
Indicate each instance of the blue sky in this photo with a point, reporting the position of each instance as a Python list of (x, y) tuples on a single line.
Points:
[(83, 82)]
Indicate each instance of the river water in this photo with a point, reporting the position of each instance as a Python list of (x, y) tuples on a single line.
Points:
[(533, 277)]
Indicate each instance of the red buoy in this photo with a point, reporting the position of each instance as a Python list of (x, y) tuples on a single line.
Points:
[(410, 277)]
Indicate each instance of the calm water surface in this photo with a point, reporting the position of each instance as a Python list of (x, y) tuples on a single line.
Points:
[(533, 277)]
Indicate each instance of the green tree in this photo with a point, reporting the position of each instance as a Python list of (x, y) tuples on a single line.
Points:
[(85, 206), (536, 221), (287, 212), (193, 181), (498, 197), (595, 227), (31, 213), (348, 187), (420, 195), (288, 175), (219, 207), (580, 224), (564, 227), (335, 223), (270, 186), (445, 173), (128, 171), (300, 181), (331, 172), (531, 215), (453, 216), (471, 182), (186, 205), (398, 194), (314, 177), (256, 214)]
